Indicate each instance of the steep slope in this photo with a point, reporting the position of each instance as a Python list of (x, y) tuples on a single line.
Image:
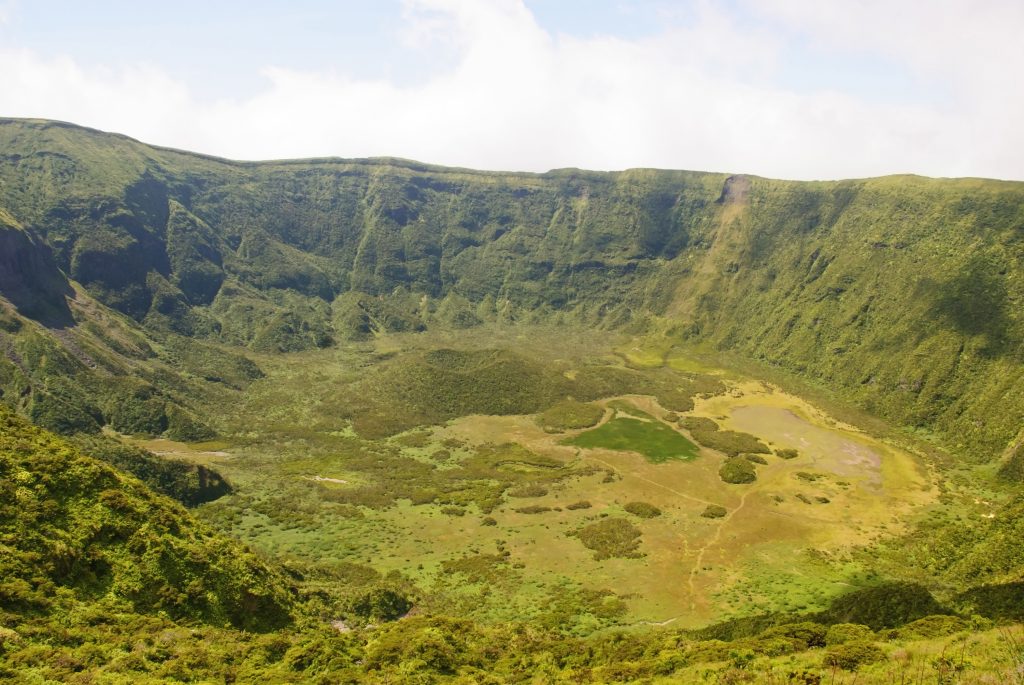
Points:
[(900, 293), (75, 530)]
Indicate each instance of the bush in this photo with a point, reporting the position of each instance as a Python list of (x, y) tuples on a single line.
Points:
[(787, 453), (713, 511), (534, 509), (931, 627), (570, 415), (611, 537), (852, 655), (698, 424), (756, 458), (841, 633), (807, 633), (643, 510), (380, 604), (731, 443), (583, 504), (528, 490), (737, 471)]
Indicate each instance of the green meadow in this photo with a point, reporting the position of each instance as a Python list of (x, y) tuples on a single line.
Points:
[(644, 434)]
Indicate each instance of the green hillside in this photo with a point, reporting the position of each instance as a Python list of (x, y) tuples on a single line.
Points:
[(442, 425), (899, 293)]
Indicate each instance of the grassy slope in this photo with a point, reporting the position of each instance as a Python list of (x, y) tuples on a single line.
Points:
[(899, 292), (74, 529)]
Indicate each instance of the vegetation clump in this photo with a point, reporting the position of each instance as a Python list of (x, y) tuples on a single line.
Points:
[(714, 511), (642, 510), (737, 471), (787, 453), (582, 504), (731, 443), (611, 537), (569, 414), (852, 655), (533, 509), (380, 604), (841, 633), (528, 490)]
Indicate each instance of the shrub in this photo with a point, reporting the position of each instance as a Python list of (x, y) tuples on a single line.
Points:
[(737, 471), (533, 509), (788, 453), (731, 443), (714, 511), (931, 627), (756, 458), (528, 490), (380, 604), (611, 537), (583, 504), (453, 511), (570, 415), (643, 510), (841, 633), (698, 424), (852, 655), (488, 521), (807, 633)]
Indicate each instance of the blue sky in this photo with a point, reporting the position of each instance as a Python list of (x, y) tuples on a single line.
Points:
[(788, 88)]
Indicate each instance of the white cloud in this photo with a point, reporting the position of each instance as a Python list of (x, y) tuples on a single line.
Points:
[(517, 97)]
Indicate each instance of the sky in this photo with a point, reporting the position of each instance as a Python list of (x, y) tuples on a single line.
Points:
[(796, 89)]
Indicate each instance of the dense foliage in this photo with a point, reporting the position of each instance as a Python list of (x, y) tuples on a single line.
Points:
[(138, 285), (72, 526), (898, 292)]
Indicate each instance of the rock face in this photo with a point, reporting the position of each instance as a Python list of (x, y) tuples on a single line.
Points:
[(29, 277)]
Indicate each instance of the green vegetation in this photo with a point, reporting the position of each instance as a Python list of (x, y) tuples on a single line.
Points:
[(382, 346), (570, 415), (730, 443), (190, 484), (737, 471), (642, 510), (611, 537), (643, 434), (73, 530), (714, 511)]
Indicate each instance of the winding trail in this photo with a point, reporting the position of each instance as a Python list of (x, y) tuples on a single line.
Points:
[(699, 560)]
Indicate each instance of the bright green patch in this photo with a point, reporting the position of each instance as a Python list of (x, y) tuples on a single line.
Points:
[(653, 439)]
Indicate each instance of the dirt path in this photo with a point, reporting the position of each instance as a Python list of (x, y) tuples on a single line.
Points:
[(699, 561), (643, 478)]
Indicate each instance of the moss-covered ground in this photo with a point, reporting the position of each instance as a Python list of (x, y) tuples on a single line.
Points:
[(311, 488)]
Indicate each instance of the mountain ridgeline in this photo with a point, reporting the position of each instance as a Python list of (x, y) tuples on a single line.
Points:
[(902, 294)]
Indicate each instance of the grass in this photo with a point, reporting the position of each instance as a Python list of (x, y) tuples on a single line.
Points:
[(646, 435), (695, 569)]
